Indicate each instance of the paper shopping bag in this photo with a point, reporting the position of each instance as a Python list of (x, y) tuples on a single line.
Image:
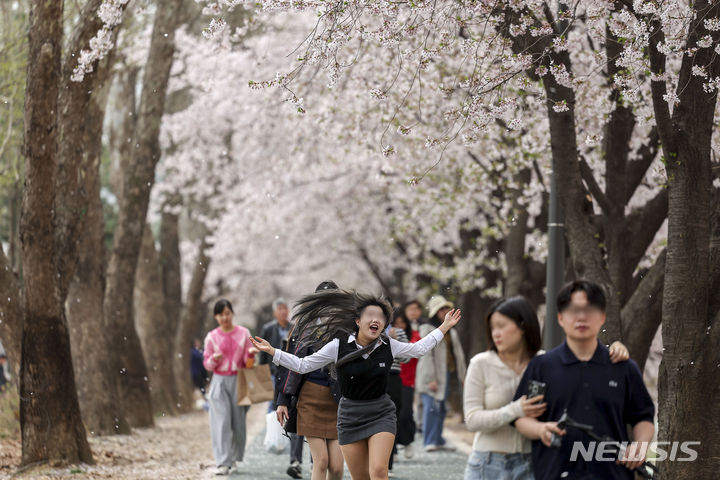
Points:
[(254, 385)]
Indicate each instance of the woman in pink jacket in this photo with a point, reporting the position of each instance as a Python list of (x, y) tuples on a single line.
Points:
[(227, 348)]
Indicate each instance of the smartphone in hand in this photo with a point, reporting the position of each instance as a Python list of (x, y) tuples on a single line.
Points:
[(536, 388)]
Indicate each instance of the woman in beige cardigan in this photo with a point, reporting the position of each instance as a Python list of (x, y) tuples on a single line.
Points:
[(499, 451)]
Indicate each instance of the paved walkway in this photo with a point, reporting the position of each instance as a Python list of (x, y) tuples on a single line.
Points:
[(259, 464)]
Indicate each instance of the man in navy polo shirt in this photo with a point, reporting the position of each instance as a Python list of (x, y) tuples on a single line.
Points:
[(581, 380)]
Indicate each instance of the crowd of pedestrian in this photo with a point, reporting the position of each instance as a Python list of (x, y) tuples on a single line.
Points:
[(358, 380)]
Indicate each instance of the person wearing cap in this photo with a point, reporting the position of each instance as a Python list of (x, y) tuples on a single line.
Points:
[(433, 374)]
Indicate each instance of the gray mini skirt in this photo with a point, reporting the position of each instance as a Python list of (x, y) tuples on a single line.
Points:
[(360, 419)]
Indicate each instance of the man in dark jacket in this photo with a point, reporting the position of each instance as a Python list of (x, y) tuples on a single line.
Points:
[(275, 332)]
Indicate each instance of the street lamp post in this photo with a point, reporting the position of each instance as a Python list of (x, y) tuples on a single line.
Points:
[(552, 333)]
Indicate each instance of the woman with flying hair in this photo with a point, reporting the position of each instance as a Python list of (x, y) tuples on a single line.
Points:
[(352, 338)]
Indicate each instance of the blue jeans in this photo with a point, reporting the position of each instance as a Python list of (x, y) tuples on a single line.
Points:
[(433, 417), (498, 466)]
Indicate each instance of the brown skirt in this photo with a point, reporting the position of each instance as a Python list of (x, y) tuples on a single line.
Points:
[(317, 412)]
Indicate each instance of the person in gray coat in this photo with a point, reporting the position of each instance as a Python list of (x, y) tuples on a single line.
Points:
[(433, 375)]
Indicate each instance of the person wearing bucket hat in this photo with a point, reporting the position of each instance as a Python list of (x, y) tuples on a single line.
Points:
[(434, 372), (352, 339)]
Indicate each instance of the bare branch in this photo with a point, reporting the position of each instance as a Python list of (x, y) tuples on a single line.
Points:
[(595, 190)]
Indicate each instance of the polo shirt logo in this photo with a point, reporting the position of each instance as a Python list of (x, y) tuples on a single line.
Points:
[(613, 383), (382, 364)]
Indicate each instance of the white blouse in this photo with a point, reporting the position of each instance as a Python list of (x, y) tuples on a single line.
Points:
[(329, 352)]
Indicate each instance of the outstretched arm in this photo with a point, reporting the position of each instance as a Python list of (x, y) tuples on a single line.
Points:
[(319, 359), (428, 342)]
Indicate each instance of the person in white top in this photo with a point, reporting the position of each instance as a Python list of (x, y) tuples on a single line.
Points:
[(499, 451), (351, 337)]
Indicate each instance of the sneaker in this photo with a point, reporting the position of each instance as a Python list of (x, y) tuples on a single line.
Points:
[(222, 470), (433, 448), (409, 451), (237, 465), (294, 470)]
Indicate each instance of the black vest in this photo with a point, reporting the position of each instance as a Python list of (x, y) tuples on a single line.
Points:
[(364, 379)]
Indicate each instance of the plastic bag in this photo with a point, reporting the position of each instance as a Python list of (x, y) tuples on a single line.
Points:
[(275, 440)]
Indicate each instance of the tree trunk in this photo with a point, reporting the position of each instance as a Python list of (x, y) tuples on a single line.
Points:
[(585, 250), (51, 425), (472, 330), (14, 240), (81, 113), (153, 327), (688, 383), (515, 240), (11, 313), (92, 349), (172, 290), (122, 125), (642, 314), (80, 215), (192, 317), (137, 183)]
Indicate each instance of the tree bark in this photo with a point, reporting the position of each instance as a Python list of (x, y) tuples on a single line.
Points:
[(192, 319), (642, 314), (79, 209), (171, 278), (82, 110), (92, 349), (122, 125), (515, 241), (688, 372), (137, 183), (474, 336), (11, 313), (153, 327), (585, 250), (51, 425), (172, 290)]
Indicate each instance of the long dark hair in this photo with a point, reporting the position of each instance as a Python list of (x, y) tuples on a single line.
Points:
[(338, 309), (521, 312)]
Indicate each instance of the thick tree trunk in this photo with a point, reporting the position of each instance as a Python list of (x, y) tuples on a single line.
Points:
[(81, 113), (51, 425), (472, 330), (642, 314), (11, 312), (171, 278), (137, 182), (82, 110), (14, 240), (172, 290), (689, 370), (92, 349), (122, 125), (153, 327), (585, 249), (192, 318), (515, 241)]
